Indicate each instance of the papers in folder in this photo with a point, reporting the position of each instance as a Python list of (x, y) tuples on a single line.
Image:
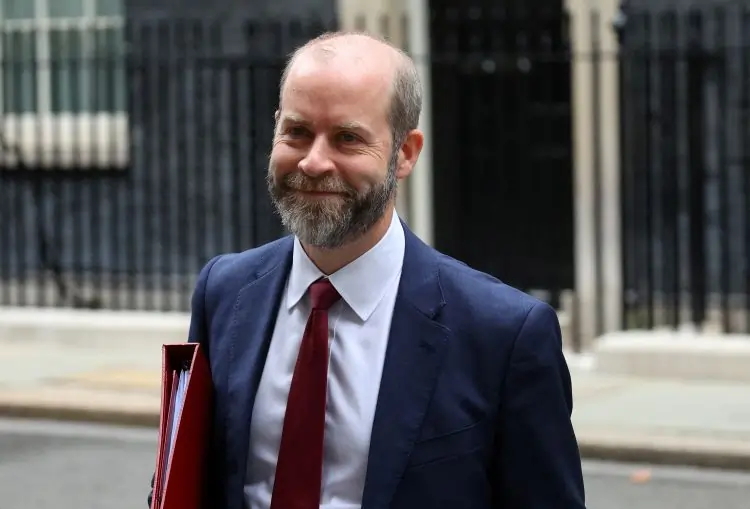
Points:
[(177, 402), (184, 423)]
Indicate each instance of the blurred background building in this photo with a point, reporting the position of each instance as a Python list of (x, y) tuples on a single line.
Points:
[(592, 152)]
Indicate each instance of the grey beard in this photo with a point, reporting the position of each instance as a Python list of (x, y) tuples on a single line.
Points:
[(329, 225)]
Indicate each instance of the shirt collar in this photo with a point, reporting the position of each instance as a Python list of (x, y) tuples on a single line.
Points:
[(363, 282)]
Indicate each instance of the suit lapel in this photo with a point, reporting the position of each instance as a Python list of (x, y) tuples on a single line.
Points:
[(416, 347), (254, 316)]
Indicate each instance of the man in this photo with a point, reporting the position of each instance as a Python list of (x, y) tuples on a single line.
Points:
[(354, 366)]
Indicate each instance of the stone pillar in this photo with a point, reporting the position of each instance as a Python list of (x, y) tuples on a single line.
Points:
[(596, 158)]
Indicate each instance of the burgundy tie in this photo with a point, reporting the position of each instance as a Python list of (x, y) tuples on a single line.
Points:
[(299, 469)]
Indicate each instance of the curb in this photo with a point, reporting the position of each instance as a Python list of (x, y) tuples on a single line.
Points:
[(667, 451), (68, 413), (87, 415)]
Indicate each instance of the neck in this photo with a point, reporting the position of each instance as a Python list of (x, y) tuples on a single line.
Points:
[(331, 260)]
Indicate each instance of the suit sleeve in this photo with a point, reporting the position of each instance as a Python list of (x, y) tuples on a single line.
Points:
[(198, 330), (537, 457)]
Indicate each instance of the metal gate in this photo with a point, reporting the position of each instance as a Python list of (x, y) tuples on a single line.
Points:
[(502, 141)]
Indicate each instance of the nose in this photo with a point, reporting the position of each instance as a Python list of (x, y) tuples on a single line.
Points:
[(317, 161)]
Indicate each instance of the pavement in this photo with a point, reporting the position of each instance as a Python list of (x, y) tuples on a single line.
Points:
[(60, 465), (699, 423)]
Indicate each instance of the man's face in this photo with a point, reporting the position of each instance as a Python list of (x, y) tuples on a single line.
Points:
[(332, 167)]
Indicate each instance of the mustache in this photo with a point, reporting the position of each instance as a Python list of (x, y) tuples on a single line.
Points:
[(326, 184)]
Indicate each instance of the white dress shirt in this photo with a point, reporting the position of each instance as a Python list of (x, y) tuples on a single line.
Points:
[(358, 329)]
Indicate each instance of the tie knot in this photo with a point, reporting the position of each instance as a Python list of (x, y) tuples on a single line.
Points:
[(323, 294)]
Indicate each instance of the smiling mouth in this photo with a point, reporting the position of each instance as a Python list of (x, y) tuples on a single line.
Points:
[(318, 193)]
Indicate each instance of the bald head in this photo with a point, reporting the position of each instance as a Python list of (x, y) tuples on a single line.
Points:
[(367, 54)]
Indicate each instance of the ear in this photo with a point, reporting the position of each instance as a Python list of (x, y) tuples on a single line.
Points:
[(276, 116), (409, 153)]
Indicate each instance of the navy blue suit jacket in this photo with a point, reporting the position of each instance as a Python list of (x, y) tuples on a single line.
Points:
[(475, 400)]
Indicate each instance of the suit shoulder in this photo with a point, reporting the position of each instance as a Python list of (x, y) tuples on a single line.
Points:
[(232, 269), (484, 297)]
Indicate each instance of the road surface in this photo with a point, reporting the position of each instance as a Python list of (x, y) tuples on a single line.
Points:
[(47, 465)]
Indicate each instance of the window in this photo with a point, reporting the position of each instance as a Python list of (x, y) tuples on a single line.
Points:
[(63, 67)]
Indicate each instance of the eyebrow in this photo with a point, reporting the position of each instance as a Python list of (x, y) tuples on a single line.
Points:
[(352, 126), (294, 119), (348, 126)]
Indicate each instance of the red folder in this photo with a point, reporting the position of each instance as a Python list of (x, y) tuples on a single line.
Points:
[(184, 427)]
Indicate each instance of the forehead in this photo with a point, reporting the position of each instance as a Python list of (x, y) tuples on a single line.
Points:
[(342, 88)]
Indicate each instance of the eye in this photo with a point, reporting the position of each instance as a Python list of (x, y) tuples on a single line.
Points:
[(347, 137), (295, 131)]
